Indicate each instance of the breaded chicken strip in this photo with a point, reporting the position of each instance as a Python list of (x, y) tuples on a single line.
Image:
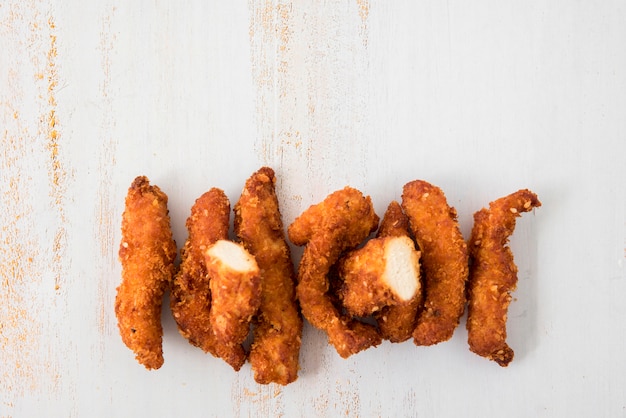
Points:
[(444, 261), (341, 222), (493, 275), (235, 291), (275, 350), (384, 272), (147, 253), (190, 299), (397, 322)]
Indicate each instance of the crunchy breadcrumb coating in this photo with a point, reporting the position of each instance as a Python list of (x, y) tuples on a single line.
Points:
[(397, 322), (444, 261), (275, 349), (341, 222), (147, 253), (190, 299), (235, 291), (493, 275)]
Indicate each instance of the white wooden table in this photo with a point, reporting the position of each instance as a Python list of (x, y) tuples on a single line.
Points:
[(480, 98)]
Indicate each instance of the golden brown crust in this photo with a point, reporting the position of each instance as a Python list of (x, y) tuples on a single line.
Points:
[(493, 275), (278, 326), (365, 286), (190, 299), (444, 261), (363, 290), (342, 221), (395, 223), (397, 322), (147, 253), (235, 292)]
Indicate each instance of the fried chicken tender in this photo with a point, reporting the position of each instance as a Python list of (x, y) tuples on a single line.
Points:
[(190, 298), (384, 272), (235, 291), (147, 253), (341, 222), (444, 261), (277, 331), (493, 275), (397, 322)]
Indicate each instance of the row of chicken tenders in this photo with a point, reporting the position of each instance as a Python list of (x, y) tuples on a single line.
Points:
[(361, 279)]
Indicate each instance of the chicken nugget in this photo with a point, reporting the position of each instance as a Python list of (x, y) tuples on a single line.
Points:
[(147, 253), (190, 298), (277, 331), (493, 275), (235, 291), (397, 322), (444, 261), (341, 222)]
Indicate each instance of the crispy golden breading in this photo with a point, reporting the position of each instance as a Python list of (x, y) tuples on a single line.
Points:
[(395, 223), (397, 322), (278, 325), (341, 222), (190, 299), (444, 261), (362, 289), (384, 272), (147, 253), (235, 291), (493, 275)]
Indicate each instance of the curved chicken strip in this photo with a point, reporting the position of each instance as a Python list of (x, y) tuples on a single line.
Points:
[(342, 221), (397, 322), (444, 261), (147, 253), (278, 326), (493, 275), (190, 299)]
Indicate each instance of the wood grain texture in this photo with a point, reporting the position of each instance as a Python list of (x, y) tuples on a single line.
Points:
[(480, 100), (33, 258)]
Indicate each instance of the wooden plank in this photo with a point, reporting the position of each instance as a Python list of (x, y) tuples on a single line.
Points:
[(479, 99)]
